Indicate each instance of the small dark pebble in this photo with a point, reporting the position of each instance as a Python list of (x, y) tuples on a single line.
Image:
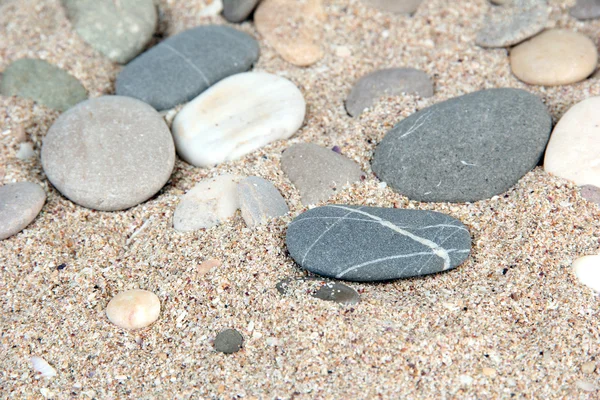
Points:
[(228, 341), (61, 266), (337, 149), (329, 290)]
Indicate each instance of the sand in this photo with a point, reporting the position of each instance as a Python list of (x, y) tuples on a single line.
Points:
[(511, 322)]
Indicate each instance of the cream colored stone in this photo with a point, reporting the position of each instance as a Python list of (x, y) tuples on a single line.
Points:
[(588, 367), (587, 270), (208, 265), (133, 309), (554, 57)]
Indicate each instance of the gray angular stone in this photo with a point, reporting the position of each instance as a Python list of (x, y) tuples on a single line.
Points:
[(228, 341), (376, 244), (20, 203), (318, 172), (42, 82), (238, 10), (387, 82), (109, 153), (586, 9), (183, 66), (119, 29), (259, 201), (395, 6), (325, 290), (468, 148)]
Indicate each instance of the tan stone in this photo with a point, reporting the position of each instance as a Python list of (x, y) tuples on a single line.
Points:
[(208, 265), (588, 367), (133, 309), (488, 372)]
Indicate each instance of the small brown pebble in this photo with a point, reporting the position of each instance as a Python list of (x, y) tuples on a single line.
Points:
[(208, 265), (588, 367), (488, 372), (133, 309), (162, 355)]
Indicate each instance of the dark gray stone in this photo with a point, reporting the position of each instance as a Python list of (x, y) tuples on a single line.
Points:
[(183, 66), (467, 148), (327, 290), (238, 10), (375, 244), (586, 9), (259, 201), (228, 341), (20, 203)]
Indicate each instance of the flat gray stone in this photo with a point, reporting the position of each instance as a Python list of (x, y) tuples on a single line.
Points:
[(260, 201), (183, 66), (591, 193), (20, 203), (586, 9), (376, 244), (465, 149), (109, 153), (318, 172), (43, 83), (387, 82), (228, 341), (320, 289), (238, 10), (395, 6)]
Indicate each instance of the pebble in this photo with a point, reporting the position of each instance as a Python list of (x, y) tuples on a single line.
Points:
[(586, 9), (376, 244), (586, 386), (511, 24), (133, 309), (591, 193), (109, 153), (465, 149), (183, 66), (238, 10), (588, 367), (395, 6), (317, 172), (325, 290), (25, 151), (118, 29), (236, 116), (228, 341), (43, 83), (587, 270), (260, 201), (292, 28), (574, 148), (20, 203), (387, 82), (208, 266), (208, 204), (555, 57)]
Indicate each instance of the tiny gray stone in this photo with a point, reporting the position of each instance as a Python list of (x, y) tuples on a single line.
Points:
[(327, 290), (238, 10), (586, 9), (42, 82), (591, 193), (468, 148), (183, 66), (20, 203), (390, 82), (109, 153), (119, 29), (318, 172), (228, 341), (395, 6), (259, 201), (376, 244)]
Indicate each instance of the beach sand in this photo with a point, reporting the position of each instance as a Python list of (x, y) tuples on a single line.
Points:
[(512, 321)]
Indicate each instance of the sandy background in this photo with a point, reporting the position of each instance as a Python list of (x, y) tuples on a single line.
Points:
[(514, 307)]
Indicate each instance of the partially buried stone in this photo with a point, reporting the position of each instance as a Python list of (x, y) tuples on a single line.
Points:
[(320, 289), (43, 83), (375, 244), (395, 6), (109, 153), (387, 82), (228, 341), (259, 201), (318, 172), (587, 271), (133, 309), (465, 149), (586, 9), (183, 66), (20, 203), (591, 193), (238, 10)]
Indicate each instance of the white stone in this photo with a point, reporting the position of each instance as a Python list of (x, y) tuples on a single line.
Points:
[(237, 116), (133, 309), (25, 151), (587, 270)]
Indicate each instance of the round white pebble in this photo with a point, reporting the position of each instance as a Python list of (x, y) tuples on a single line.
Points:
[(133, 309), (587, 270)]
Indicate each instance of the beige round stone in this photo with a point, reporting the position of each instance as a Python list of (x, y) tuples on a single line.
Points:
[(133, 309), (554, 57)]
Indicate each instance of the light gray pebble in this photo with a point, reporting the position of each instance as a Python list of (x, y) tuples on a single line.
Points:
[(20, 203), (259, 201), (228, 341), (586, 9), (238, 10)]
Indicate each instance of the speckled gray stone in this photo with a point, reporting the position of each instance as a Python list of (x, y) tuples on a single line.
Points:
[(260, 201), (109, 153), (467, 148), (374, 244), (20, 203), (586, 9), (228, 341), (238, 10), (395, 6), (387, 82), (183, 66)]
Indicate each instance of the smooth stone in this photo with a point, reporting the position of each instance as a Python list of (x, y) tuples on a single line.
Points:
[(587, 271), (260, 201), (555, 57), (109, 153), (25, 151), (294, 29), (119, 29), (591, 193), (133, 309), (513, 23), (395, 6), (228, 341), (586, 9), (43, 83), (573, 152), (207, 204), (20, 203), (375, 244), (318, 172), (465, 149), (327, 290), (183, 66), (387, 82), (238, 10), (588, 367), (236, 116)]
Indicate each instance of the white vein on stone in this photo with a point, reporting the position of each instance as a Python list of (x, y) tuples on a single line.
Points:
[(168, 46), (376, 222), (420, 121), (323, 234)]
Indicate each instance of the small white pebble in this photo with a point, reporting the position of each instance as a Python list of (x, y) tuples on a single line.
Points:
[(271, 341), (25, 151), (343, 51), (133, 309), (382, 185), (587, 270), (42, 367), (465, 379), (587, 386)]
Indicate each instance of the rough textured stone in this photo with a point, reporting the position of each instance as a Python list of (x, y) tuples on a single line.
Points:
[(20, 203), (395, 6), (228, 341), (374, 244), (133, 309), (238, 10), (320, 289), (109, 153), (183, 66), (260, 201), (591, 193), (587, 271), (42, 82), (586, 9)]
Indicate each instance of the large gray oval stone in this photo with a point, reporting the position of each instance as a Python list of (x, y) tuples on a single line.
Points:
[(20, 203), (467, 148), (375, 244), (183, 66)]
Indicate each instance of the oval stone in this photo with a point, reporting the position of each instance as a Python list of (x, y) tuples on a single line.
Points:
[(375, 244), (467, 148), (20, 203), (109, 153), (237, 116), (183, 66), (238, 10), (228, 341), (259, 201), (587, 271), (133, 309)]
